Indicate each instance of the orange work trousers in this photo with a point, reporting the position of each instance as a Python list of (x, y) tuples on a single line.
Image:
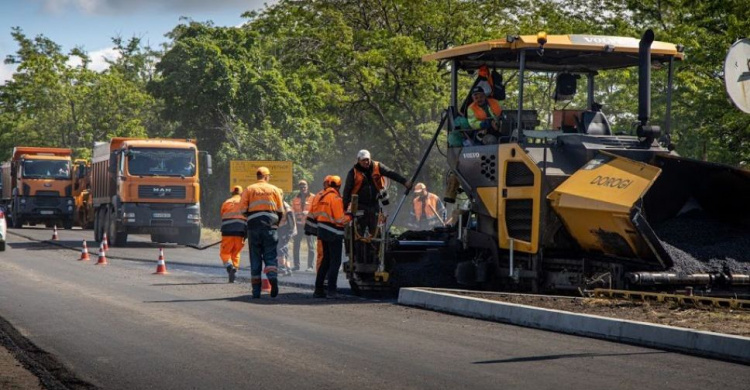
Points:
[(231, 247), (319, 257)]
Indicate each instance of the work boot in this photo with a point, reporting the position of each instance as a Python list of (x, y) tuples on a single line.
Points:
[(274, 287), (232, 273), (296, 268), (319, 294), (256, 290), (332, 294)]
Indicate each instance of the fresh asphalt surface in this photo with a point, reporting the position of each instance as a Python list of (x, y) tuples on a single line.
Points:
[(121, 327)]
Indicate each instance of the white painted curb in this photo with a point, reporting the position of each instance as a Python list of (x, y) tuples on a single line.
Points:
[(716, 345)]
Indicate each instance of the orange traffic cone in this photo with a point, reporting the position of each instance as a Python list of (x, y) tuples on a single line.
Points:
[(102, 255), (161, 266), (54, 234), (105, 242), (84, 252), (265, 285)]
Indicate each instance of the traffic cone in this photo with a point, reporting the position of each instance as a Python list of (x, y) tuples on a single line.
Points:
[(54, 234), (105, 242), (161, 266), (84, 252), (102, 255), (265, 285)]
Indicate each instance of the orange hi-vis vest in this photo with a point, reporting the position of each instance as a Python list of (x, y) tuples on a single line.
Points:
[(311, 223), (480, 114), (233, 217), (377, 178), (330, 215), (300, 210), (264, 204), (426, 209)]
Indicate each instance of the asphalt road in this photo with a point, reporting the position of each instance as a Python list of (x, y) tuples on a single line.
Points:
[(121, 327)]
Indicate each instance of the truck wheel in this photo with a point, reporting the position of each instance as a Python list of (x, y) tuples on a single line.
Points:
[(189, 236), (2, 246), (97, 226), (115, 238)]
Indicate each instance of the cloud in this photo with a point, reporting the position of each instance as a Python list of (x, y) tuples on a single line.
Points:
[(102, 7), (6, 72), (98, 59)]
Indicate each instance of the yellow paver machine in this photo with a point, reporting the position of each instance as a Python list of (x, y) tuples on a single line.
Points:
[(572, 202)]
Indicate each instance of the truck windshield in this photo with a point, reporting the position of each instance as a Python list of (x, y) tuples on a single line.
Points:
[(46, 169), (161, 162)]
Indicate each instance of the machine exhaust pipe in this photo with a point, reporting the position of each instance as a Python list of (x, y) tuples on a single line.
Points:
[(646, 132)]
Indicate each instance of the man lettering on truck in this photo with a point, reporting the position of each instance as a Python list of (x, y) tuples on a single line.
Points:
[(264, 206)]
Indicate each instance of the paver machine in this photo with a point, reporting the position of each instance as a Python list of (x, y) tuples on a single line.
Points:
[(574, 203)]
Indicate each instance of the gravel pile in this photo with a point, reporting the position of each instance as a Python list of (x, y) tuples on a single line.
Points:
[(698, 243)]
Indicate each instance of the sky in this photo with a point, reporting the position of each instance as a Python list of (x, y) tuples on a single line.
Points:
[(91, 24)]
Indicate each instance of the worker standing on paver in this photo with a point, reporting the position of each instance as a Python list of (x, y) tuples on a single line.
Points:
[(233, 232), (331, 220), (264, 207), (301, 206), (367, 180), (427, 209)]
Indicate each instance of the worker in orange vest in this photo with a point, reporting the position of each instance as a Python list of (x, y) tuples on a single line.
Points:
[(331, 220), (301, 207), (264, 206), (311, 223), (367, 180), (233, 232), (427, 209), (484, 114)]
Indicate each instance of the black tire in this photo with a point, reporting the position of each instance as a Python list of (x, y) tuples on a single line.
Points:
[(97, 226), (115, 238), (68, 224), (189, 236), (2, 246)]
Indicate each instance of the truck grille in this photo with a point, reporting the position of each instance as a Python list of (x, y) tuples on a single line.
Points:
[(47, 201), (518, 217), (48, 193), (159, 192)]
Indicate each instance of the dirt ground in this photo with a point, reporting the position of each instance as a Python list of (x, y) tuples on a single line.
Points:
[(719, 320), (13, 376)]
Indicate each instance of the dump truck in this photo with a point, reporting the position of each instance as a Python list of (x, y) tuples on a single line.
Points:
[(37, 187), (572, 204), (147, 186), (83, 215)]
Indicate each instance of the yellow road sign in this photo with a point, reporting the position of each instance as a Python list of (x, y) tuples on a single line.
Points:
[(242, 173)]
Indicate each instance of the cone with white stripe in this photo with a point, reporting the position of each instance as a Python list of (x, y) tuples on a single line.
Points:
[(105, 242), (54, 234), (84, 252), (102, 258), (161, 266)]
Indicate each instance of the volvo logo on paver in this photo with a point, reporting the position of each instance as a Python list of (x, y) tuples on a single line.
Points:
[(612, 182), (471, 155)]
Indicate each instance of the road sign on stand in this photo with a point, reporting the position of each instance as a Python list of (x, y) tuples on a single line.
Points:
[(242, 173)]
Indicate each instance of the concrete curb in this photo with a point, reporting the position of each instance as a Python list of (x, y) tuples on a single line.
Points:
[(714, 345)]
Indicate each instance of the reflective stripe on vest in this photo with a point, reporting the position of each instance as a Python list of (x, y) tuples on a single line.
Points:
[(232, 221), (257, 214), (331, 228), (377, 178), (479, 112)]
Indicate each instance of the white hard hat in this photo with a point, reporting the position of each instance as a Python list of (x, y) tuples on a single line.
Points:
[(364, 153)]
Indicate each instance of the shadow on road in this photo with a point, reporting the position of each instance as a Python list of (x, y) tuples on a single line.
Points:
[(564, 356), (292, 299)]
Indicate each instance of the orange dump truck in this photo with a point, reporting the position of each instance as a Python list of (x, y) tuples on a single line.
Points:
[(38, 186), (147, 186)]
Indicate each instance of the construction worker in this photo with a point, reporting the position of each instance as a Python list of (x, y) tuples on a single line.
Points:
[(427, 210), (233, 232), (484, 115), (367, 180), (311, 224), (331, 220), (264, 207), (301, 206), (287, 230)]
